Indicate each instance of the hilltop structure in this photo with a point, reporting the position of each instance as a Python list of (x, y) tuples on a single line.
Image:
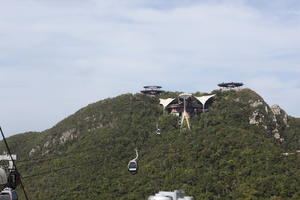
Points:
[(152, 90), (186, 105), (230, 85)]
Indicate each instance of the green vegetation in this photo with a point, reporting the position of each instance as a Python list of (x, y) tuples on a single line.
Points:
[(222, 157)]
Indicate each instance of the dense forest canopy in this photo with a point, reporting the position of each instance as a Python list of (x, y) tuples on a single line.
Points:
[(225, 155)]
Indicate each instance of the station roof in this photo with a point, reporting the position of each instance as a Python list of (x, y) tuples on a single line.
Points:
[(230, 84), (152, 90)]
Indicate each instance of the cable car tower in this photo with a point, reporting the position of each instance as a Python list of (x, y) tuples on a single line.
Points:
[(185, 115)]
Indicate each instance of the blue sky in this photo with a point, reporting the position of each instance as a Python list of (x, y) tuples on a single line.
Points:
[(60, 55)]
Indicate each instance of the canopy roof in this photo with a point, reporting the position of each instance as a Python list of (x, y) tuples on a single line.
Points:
[(166, 102), (202, 99)]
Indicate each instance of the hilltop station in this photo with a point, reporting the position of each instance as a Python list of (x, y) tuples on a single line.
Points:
[(186, 105)]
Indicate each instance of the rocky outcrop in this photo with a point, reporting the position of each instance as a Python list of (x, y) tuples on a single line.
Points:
[(273, 119), (279, 113), (256, 118), (67, 136), (34, 150), (255, 104)]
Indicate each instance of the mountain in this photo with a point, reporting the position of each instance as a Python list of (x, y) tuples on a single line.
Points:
[(234, 151)]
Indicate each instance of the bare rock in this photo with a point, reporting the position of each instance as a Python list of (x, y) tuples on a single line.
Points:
[(276, 109), (67, 136), (257, 103), (47, 144), (256, 118), (33, 150)]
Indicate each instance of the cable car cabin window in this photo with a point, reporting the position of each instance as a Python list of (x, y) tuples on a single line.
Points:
[(171, 198), (132, 166), (4, 197)]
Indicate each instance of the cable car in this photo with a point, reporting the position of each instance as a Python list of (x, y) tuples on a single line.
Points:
[(157, 129), (8, 194), (133, 165), (179, 122)]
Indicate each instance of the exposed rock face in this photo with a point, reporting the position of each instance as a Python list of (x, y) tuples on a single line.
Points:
[(276, 109), (257, 103), (256, 118), (267, 109), (47, 144), (281, 114), (67, 136), (276, 133), (273, 121), (285, 120), (33, 150)]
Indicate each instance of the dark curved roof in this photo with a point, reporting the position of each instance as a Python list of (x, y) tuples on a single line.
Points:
[(152, 87), (152, 90), (230, 84)]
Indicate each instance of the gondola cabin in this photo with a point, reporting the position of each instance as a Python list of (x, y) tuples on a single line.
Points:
[(133, 167), (8, 194), (158, 131)]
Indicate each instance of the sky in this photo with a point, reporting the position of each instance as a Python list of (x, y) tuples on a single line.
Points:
[(57, 56)]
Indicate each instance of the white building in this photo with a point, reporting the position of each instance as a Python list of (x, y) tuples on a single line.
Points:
[(176, 195)]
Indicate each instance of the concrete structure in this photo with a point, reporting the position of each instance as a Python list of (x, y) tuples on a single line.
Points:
[(152, 90), (8, 158), (176, 195), (186, 105), (230, 85)]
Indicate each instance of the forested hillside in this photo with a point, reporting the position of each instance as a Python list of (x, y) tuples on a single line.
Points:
[(234, 151)]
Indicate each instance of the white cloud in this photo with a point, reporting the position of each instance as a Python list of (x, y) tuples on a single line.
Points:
[(61, 55)]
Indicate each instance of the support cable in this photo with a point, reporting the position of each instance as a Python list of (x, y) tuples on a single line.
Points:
[(14, 163), (57, 156), (86, 164), (74, 154)]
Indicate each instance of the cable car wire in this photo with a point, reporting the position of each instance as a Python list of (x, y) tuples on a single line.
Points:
[(57, 156), (85, 165), (14, 163), (74, 154)]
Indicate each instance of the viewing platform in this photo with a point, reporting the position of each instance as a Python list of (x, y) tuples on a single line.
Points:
[(152, 90)]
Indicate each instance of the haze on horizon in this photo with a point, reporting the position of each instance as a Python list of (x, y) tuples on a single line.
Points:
[(60, 55)]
